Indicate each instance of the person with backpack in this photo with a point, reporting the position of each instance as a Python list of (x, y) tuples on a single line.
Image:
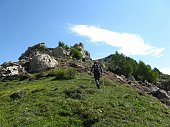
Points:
[(97, 71)]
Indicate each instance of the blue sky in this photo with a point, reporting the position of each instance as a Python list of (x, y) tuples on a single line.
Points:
[(137, 28)]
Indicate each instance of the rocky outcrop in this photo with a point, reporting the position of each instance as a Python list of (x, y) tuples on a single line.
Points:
[(165, 85), (31, 51), (161, 94), (38, 58), (42, 62), (55, 52), (11, 69), (58, 52)]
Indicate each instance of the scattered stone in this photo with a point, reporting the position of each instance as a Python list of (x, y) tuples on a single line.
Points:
[(131, 78), (17, 95)]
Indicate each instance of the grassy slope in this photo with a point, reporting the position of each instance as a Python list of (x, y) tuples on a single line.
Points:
[(77, 102)]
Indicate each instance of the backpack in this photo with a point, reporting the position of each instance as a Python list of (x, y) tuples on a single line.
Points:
[(96, 68)]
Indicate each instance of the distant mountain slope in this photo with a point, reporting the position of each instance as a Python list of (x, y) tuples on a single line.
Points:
[(44, 101)]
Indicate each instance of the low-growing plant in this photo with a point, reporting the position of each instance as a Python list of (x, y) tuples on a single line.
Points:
[(76, 53), (62, 74), (26, 76), (74, 93), (71, 73), (43, 48), (41, 75), (79, 92)]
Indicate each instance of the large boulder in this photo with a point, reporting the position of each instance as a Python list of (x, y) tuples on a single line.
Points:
[(41, 62), (161, 94), (165, 85)]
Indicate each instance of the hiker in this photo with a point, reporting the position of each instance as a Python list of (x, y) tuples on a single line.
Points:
[(97, 71)]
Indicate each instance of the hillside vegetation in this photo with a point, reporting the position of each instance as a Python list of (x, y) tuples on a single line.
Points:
[(57, 99), (123, 65)]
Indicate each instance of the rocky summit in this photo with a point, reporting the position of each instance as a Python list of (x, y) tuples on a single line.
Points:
[(39, 58)]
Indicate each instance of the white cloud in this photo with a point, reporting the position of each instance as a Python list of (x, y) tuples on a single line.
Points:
[(165, 70), (128, 44)]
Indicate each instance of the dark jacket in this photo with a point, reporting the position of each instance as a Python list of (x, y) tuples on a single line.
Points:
[(96, 69)]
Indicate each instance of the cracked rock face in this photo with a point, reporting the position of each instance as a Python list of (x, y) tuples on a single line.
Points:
[(42, 62)]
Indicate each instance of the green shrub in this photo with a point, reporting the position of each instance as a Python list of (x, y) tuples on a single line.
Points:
[(41, 75), (62, 74), (145, 72), (52, 72), (43, 48), (74, 93), (71, 73), (63, 45), (76, 53), (26, 76), (123, 65)]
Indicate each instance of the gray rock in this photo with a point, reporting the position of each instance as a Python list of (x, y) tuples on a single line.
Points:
[(30, 52), (58, 52), (166, 85), (161, 94), (153, 88), (42, 62), (11, 69), (131, 78)]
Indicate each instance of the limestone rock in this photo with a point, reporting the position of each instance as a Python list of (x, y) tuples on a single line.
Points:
[(30, 52), (58, 52), (11, 69), (42, 62)]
